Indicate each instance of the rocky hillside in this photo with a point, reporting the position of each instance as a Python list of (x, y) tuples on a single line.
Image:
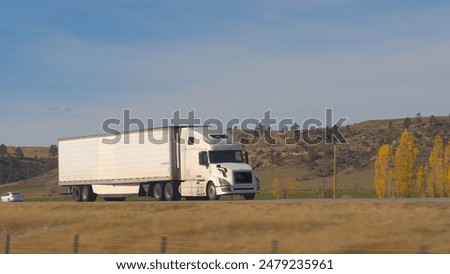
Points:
[(20, 163), (358, 154)]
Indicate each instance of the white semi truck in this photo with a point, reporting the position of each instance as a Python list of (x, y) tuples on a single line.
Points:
[(166, 163)]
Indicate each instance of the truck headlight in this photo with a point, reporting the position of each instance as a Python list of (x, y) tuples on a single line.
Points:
[(224, 182)]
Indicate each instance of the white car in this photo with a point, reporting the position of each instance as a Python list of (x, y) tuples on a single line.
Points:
[(12, 197)]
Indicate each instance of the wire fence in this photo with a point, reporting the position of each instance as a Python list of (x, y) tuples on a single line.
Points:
[(76, 244)]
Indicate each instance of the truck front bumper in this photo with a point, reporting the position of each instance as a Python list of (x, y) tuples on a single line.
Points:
[(230, 190)]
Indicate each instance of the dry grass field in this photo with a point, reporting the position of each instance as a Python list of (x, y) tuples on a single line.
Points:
[(31, 152), (312, 226)]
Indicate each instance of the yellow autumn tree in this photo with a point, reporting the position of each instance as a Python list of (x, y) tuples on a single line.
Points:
[(405, 164), (293, 185), (447, 166), (420, 181), (285, 189), (382, 172), (437, 175)]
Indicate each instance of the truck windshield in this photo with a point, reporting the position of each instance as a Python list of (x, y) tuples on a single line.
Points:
[(226, 156)]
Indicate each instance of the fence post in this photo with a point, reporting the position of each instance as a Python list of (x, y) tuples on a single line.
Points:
[(75, 243), (274, 247), (424, 249), (163, 245), (8, 241)]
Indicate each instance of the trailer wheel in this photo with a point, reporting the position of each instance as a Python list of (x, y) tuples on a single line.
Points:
[(171, 192), (158, 193), (87, 195), (249, 196), (211, 193), (76, 193)]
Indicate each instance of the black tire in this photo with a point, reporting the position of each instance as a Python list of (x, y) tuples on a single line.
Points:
[(87, 195), (115, 199), (158, 192), (211, 193), (76, 193), (171, 192), (249, 196)]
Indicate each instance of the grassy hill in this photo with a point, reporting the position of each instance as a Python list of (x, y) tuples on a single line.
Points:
[(310, 165), (31, 152), (358, 154), (20, 163)]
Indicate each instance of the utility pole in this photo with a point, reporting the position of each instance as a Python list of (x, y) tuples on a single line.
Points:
[(334, 171), (323, 185)]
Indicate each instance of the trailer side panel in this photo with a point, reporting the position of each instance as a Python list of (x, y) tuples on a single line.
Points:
[(133, 159)]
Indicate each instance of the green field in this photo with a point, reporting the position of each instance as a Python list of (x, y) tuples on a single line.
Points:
[(360, 181), (355, 185)]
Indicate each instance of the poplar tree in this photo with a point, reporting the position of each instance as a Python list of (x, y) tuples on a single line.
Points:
[(405, 164), (382, 172), (437, 176), (278, 189), (447, 167), (284, 189), (420, 181)]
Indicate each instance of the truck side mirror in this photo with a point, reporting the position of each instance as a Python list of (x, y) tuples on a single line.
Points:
[(203, 158)]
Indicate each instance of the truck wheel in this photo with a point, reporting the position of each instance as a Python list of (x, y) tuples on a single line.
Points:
[(249, 196), (76, 193), (158, 193), (87, 195), (171, 192), (211, 193)]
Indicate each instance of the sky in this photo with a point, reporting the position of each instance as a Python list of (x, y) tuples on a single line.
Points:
[(67, 66)]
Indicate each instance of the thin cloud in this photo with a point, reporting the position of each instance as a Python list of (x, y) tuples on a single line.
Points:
[(61, 109)]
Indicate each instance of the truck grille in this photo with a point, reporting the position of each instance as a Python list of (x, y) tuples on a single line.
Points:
[(243, 177)]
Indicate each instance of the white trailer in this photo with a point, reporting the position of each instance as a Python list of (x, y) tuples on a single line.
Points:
[(166, 163)]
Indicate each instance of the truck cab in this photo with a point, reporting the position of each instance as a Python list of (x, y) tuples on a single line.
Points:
[(212, 165)]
